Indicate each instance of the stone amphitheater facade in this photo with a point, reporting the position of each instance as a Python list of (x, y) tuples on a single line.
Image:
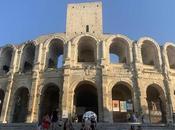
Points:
[(32, 83)]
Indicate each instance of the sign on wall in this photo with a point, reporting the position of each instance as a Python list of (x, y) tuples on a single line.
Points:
[(115, 105), (123, 106), (65, 114), (129, 106)]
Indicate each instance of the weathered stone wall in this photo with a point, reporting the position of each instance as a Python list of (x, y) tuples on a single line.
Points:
[(103, 74)]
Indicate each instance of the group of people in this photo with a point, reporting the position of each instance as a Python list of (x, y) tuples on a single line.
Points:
[(88, 124), (49, 122), (133, 117), (52, 122)]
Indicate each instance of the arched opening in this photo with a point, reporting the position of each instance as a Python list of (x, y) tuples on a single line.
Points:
[(21, 101), (122, 102), (156, 104), (56, 50), (171, 56), (6, 59), (2, 94), (87, 49), (85, 99), (49, 100), (149, 53), (87, 28), (28, 57), (118, 51)]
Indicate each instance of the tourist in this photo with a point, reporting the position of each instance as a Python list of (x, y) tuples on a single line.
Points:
[(142, 118), (46, 122), (54, 119), (65, 127), (128, 117), (68, 125), (76, 119), (39, 126), (93, 123), (82, 126), (88, 124), (133, 120)]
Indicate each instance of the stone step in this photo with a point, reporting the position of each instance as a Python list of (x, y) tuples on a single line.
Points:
[(100, 126), (19, 126)]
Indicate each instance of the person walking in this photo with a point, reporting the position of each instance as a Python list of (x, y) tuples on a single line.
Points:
[(88, 124), (82, 126), (133, 120), (93, 123), (128, 116), (68, 125), (54, 119), (46, 122)]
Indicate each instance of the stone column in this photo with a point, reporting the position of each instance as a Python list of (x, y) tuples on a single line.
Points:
[(33, 101), (136, 98), (5, 108), (67, 55), (135, 69), (107, 97), (144, 104), (65, 92), (103, 49), (100, 96), (32, 109), (169, 110), (167, 84), (66, 98)]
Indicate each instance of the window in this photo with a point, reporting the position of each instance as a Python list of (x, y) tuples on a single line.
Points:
[(87, 28)]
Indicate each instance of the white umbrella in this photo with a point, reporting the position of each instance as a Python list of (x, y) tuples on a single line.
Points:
[(89, 115)]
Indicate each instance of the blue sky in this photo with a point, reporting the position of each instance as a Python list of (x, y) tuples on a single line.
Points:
[(22, 20)]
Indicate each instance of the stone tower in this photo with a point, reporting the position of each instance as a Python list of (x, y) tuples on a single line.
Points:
[(84, 18)]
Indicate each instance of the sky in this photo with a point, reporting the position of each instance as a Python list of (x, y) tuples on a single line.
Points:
[(22, 20)]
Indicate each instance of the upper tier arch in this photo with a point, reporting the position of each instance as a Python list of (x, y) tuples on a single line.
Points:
[(169, 54), (150, 52), (121, 46)]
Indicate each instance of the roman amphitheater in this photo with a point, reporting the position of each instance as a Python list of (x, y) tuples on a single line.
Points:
[(85, 69)]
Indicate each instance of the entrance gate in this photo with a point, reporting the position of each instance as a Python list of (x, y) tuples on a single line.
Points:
[(85, 99)]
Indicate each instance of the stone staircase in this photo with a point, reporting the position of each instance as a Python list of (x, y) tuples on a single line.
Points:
[(19, 126), (100, 126)]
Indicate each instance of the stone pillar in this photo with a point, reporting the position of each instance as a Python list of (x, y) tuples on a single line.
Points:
[(136, 98), (144, 104), (5, 108), (172, 90), (135, 69), (33, 101), (65, 92), (67, 56), (103, 49), (169, 107), (100, 96), (137, 53), (44, 58), (131, 55), (107, 97), (167, 84)]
